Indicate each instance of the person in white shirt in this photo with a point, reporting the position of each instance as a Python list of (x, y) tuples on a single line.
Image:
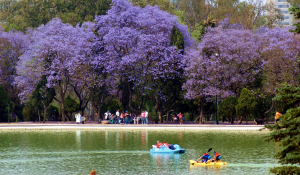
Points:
[(146, 115), (118, 116), (78, 117), (107, 115)]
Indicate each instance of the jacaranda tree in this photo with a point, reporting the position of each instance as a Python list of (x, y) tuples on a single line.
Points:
[(227, 59), (134, 46), (58, 51)]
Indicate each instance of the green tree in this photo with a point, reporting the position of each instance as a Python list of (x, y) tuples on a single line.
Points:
[(295, 10), (177, 39), (70, 106), (287, 131), (43, 96), (3, 104), (227, 108), (23, 14), (30, 111), (246, 104)]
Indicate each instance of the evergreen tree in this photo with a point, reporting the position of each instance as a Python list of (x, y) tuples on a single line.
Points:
[(3, 104), (43, 96), (295, 10), (246, 104), (227, 108), (286, 131), (70, 106), (177, 39)]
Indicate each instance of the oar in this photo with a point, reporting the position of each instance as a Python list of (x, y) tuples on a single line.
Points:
[(207, 152)]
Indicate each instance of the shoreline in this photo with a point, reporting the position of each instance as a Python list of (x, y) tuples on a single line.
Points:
[(95, 126)]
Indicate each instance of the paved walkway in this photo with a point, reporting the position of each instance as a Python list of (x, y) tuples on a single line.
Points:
[(95, 126)]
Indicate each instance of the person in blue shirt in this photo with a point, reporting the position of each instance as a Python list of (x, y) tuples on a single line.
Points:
[(205, 157)]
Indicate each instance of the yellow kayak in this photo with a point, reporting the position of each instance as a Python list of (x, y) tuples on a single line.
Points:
[(193, 162)]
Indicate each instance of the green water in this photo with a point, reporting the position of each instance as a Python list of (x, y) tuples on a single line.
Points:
[(127, 152)]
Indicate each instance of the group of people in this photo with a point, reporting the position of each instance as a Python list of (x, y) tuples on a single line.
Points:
[(165, 144), (206, 158), (126, 118)]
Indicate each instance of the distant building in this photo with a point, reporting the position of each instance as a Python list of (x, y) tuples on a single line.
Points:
[(284, 6)]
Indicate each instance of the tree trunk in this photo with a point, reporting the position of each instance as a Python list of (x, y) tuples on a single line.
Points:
[(156, 109), (99, 112), (241, 120), (266, 113), (39, 115), (232, 120), (160, 112), (167, 116), (136, 111), (45, 114), (63, 109), (201, 115)]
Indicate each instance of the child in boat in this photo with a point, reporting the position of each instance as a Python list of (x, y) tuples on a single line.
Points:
[(170, 146), (216, 158), (204, 158), (158, 144)]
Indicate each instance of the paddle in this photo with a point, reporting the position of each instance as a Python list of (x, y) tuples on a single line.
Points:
[(207, 152)]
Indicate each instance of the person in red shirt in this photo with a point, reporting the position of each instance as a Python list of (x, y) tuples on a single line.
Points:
[(216, 158), (158, 144), (180, 117)]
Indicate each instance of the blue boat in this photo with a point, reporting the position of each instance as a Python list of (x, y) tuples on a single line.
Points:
[(177, 147), (163, 149)]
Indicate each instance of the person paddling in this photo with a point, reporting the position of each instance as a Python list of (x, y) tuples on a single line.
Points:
[(205, 157), (216, 158)]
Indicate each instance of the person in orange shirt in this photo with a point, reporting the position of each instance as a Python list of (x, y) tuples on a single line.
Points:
[(158, 144), (277, 115), (216, 158)]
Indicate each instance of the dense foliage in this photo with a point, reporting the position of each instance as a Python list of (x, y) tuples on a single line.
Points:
[(246, 104), (23, 14), (227, 109), (287, 132), (142, 56)]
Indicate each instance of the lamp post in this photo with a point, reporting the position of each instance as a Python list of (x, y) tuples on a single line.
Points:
[(216, 116), (8, 111), (216, 121)]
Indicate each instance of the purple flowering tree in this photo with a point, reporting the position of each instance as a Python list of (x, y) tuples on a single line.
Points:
[(134, 47), (12, 45), (60, 52), (230, 58), (227, 59), (281, 58)]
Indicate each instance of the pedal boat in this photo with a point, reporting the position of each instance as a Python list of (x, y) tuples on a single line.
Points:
[(218, 163), (177, 147)]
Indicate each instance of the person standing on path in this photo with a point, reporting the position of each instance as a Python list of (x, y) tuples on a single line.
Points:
[(118, 116), (146, 115), (277, 115), (127, 118), (143, 116), (122, 117), (78, 117), (180, 117)]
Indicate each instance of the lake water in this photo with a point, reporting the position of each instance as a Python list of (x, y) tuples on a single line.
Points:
[(127, 152)]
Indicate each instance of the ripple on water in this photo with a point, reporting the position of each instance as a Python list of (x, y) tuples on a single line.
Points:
[(127, 152)]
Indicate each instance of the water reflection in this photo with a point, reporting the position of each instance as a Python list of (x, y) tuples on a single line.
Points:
[(127, 152), (144, 139), (78, 138), (165, 159), (207, 168)]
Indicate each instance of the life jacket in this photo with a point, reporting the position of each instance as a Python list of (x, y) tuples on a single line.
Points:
[(217, 156)]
